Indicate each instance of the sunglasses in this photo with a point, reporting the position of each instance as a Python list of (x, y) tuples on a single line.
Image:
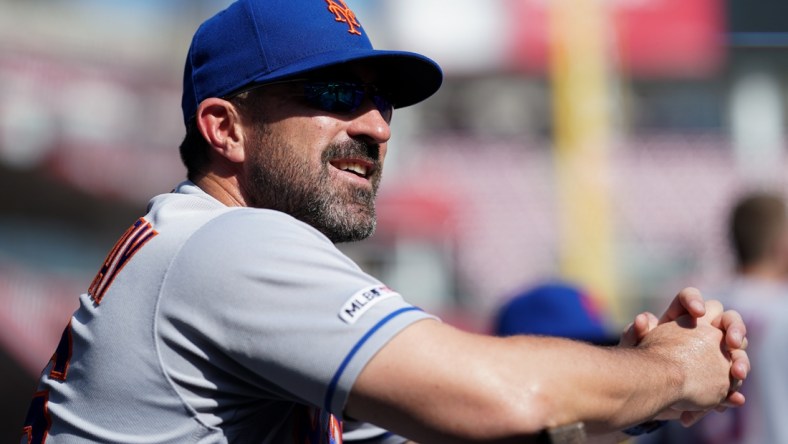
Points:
[(340, 97), (345, 97)]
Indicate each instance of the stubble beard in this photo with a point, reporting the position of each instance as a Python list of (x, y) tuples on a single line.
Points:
[(281, 181)]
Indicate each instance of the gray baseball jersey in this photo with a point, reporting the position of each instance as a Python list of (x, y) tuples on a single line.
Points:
[(212, 324)]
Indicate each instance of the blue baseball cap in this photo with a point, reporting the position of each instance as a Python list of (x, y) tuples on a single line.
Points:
[(554, 309), (261, 41)]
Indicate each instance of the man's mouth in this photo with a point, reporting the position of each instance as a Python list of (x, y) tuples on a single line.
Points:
[(357, 167)]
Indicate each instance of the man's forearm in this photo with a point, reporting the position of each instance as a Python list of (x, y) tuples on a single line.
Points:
[(457, 384)]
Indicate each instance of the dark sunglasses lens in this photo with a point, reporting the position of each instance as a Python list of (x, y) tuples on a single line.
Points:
[(334, 97), (343, 97), (384, 106)]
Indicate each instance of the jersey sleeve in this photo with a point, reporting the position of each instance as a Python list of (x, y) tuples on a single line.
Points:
[(273, 310)]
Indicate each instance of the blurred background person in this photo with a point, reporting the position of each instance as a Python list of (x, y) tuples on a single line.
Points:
[(758, 288), (758, 234)]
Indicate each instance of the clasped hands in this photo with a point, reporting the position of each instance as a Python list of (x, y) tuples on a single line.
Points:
[(683, 334)]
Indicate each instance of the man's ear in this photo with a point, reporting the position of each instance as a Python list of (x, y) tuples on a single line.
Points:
[(220, 124)]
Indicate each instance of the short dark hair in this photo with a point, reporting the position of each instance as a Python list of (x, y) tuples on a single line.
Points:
[(756, 223), (194, 150)]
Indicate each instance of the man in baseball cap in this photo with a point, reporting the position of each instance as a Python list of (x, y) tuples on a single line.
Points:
[(227, 314)]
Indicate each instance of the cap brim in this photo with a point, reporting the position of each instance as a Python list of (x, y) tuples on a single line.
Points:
[(407, 77)]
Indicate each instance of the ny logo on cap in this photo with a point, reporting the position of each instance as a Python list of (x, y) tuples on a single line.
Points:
[(342, 13)]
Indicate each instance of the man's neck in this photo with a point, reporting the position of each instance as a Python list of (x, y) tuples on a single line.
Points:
[(223, 189)]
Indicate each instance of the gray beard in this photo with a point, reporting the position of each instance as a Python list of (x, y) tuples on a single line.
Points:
[(278, 181)]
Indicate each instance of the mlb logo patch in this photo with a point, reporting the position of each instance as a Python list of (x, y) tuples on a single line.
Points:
[(363, 300)]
